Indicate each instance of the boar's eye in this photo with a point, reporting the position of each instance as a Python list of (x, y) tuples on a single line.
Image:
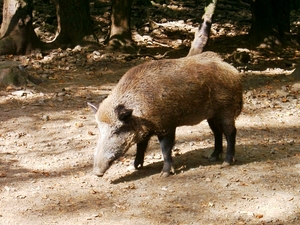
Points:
[(123, 113)]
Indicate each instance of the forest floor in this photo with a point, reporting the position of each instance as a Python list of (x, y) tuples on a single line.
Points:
[(48, 134)]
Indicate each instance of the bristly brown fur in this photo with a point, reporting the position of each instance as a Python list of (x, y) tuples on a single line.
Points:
[(156, 97), (177, 92)]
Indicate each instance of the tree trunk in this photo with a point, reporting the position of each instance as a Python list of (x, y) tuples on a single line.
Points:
[(270, 19), (17, 33), (74, 22), (120, 32), (202, 34)]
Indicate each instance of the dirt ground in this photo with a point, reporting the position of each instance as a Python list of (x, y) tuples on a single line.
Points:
[(48, 134), (47, 137)]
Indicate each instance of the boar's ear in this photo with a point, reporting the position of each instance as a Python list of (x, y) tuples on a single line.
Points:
[(123, 113), (93, 107)]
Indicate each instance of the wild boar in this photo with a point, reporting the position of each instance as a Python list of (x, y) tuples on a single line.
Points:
[(156, 97)]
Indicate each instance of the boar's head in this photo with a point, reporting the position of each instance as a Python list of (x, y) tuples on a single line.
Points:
[(117, 128)]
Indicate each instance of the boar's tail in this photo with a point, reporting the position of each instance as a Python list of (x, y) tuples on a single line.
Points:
[(239, 110)]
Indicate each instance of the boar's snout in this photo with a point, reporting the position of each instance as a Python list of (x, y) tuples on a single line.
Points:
[(97, 171), (101, 164)]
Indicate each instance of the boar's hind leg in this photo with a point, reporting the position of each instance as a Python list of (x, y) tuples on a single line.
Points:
[(140, 153), (226, 126), (216, 129), (166, 143), (230, 134)]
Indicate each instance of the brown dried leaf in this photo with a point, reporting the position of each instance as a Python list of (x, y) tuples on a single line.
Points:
[(93, 191), (258, 216), (2, 174), (91, 133), (131, 186)]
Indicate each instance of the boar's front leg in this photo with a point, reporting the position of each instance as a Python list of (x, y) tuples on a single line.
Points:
[(140, 153), (166, 144)]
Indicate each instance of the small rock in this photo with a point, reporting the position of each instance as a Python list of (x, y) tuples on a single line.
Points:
[(20, 93), (131, 168), (8, 189), (156, 156), (208, 179), (282, 93), (211, 204), (77, 48), (164, 188), (45, 118), (295, 87), (79, 125), (60, 99), (273, 151), (59, 94)]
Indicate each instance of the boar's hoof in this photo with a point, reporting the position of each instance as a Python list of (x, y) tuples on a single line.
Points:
[(225, 164), (212, 159), (138, 165), (165, 174)]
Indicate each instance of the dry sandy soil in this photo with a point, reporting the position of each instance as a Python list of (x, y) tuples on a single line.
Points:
[(48, 134), (47, 137)]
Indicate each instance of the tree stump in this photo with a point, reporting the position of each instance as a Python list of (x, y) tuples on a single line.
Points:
[(14, 74), (17, 33)]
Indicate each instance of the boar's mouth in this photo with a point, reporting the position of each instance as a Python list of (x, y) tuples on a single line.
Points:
[(97, 171), (102, 163), (100, 170)]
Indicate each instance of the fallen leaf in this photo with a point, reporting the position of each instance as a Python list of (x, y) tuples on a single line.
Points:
[(258, 216), (131, 186), (91, 133), (21, 196), (93, 191), (2, 174), (179, 206)]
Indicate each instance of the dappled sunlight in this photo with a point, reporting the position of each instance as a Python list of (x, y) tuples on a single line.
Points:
[(247, 195), (48, 133)]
